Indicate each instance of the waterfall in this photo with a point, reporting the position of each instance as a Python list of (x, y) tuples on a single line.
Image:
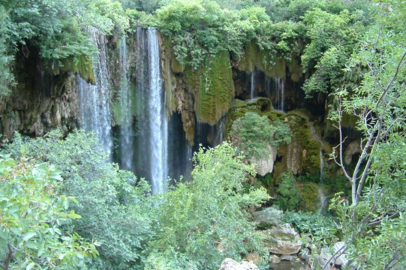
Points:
[(279, 94), (218, 132), (125, 98), (321, 167), (95, 112), (252, 85), (152, 142)]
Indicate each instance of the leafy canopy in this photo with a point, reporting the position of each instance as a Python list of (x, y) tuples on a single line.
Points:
[(113, 204), (202, 222), (253, 134), (32, 214)]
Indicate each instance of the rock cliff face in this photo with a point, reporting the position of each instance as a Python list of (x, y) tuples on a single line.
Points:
[(208, 98), (43, 98)]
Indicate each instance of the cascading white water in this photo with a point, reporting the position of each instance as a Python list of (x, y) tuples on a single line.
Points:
[(158, 125), (125, 98), (252, 84), (219, 130), (279, 86), (95, 109), (321, 193)]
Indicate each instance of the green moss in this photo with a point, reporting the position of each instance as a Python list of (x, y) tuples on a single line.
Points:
[(213, 87), (310, 160), (117, 113), (174, 64), (296, 71), (81, 64), (310, 198), (271, 64)]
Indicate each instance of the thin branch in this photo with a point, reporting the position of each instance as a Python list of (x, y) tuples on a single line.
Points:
[(388, 86), (338, 253), (368, 165)]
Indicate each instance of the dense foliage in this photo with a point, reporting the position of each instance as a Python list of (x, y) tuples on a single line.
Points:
[(59, 29), (194, 224), (289, 195), (32, 235), (254, 134), (352, 51), (206, 220), (111, 202)]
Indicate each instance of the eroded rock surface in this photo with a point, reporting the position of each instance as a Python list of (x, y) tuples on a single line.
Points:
[(230, 264), (283, 240)]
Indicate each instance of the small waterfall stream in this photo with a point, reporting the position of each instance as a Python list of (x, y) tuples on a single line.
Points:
[(279, 93), (252, 88), (321, 193), (125, 98), (95, 111)]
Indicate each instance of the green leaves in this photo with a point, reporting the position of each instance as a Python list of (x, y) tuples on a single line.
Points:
[(204, 221), (59, 29), (30, 235), (101, 202), (253, 134)]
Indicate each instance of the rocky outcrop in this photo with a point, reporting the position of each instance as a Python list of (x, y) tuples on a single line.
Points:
[(283, 240), (265, 165), (352, 149), (269, 216), (42, 99), (333, 257), (230, 264)]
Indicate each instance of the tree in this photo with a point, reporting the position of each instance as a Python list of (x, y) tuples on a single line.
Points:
[(58, 29), (373, 221), (289, 195), (31, 214), (202, 222), (253, 134), (114, 205)]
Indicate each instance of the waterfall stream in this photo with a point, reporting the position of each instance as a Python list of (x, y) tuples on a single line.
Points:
[(279, 93), (252, 90), (157, 120), (126, 107), (95, 111), (152, 141)]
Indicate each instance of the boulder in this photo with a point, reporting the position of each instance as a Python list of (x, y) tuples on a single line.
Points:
[(275, 259), (326, 255), (283, 240), (265, 165), (352, 149), (230, 264), (287, 258), (268, 216)]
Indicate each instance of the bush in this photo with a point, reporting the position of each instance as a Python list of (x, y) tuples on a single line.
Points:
[(289, 195), (204, 221), (31, 235), (113, 204)]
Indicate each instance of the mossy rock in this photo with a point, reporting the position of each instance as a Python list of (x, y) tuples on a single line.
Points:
[(271, 64), (175, 65), (81, 65), (310, 196), (296, 70), (310, 154), (213, 87)]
